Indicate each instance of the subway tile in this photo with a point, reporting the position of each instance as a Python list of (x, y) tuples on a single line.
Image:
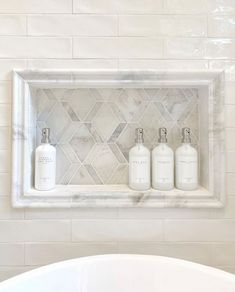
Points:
[(186, 6), (196, 252), (35, 47), (5, 115), (4, 138), (117, 230), (5, 160), (230, 179), (118, 47), (35, 6), (221, 26), (223, 254), (230, 117), (230, 139), (148, 48), (34, 230), (121, 6), (166, 65), (140, 48), (220, 48), (95, 48), (47, 213), (185, 48), (221, 6), (6, 210), (199, 230), (230, 93), (46, 253), (72, 25), (11, 254), (229, 269), (12, 24), (230, 161), (94, 213), (82, 64), (152, 25), (5, 184), (7, 65), (7, 272), (5, 92)]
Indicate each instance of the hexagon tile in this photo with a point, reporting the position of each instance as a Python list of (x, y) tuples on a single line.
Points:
[(93, 128)]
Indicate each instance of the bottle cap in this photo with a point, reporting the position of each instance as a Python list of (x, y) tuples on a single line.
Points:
[(45, 135), (162, 135), (139, 135), (186, 138)]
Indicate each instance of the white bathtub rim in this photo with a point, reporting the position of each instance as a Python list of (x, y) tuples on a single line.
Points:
[(37, 271)]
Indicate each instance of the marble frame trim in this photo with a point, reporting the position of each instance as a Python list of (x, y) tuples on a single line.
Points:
[(23, 195)]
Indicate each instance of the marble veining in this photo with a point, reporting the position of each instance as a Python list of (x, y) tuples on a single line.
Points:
[(93, 129), (92, 116)]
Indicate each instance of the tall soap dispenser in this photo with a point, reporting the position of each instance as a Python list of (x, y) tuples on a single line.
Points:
[(45, 163), (139, 164), (162, 164), (186, 164)]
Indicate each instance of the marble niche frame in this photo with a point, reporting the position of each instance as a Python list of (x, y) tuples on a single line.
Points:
[(23, 137)]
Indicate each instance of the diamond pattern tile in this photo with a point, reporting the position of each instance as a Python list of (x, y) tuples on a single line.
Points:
[(82, 142), (105, 162), (105, 121), (94, 128)]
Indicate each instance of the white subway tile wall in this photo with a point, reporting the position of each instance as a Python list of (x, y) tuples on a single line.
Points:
[(115, 34)]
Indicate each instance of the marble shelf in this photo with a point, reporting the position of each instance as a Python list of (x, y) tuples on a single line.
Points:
[(203, 90)]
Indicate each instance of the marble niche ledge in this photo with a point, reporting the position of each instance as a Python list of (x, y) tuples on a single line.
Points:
[(208, 125)]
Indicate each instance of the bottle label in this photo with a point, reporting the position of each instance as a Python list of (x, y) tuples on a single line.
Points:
[(164, 169), (140, 169), (188, 169), (45, 171)]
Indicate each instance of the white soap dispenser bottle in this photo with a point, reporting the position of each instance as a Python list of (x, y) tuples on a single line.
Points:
[(186, 162), (163, 164), (45, 163), (139, 164)]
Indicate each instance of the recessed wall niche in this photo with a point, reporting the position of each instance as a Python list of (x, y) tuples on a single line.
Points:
[(93, 115)]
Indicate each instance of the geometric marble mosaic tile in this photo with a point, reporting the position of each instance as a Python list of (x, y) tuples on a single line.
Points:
[(93, 128)]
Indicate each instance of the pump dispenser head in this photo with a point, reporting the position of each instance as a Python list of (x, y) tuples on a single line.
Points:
[(139, 135), (45, 135), (162, 135), (186, 135)]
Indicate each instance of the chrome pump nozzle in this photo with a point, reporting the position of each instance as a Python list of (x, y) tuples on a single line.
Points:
[(45, 135), (186, 135), (139, 135), (162, 135)]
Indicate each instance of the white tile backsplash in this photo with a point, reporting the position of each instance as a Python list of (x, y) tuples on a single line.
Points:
[(152, 25), (117, 230), (11, 254), (200, 230), (121, 6), (39, 231), (13, 24), (74, 25), (221, 6), (34, 6), (115, 34), (186, 6), (35, 47)]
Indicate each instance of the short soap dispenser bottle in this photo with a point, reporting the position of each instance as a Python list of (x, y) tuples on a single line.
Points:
[(163, 164), (139, 164), (186, 164), (45, 163)]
